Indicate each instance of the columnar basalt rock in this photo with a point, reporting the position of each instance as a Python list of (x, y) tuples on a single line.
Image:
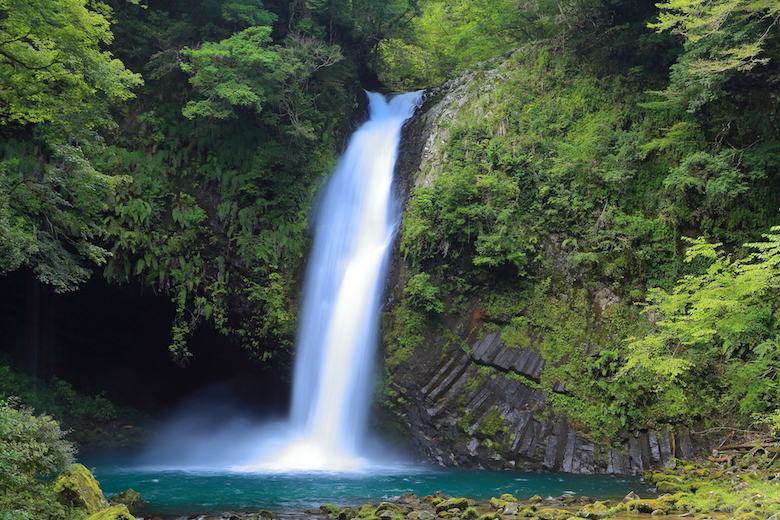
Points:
[(457, 417)]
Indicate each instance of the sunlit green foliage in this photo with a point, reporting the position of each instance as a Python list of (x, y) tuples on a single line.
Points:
[(52, 65), (56, 87), (720, 321), (422, 294), (724, 38), (30, 446), (449, 36)]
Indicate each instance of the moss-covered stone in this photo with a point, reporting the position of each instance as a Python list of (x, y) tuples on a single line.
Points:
[(666, 486), (553, 514), (366, 511), (330, 509), (117, 512), (508, 497), (76, 487), (130, 498), (452, 503), (263, 515), (647, 505), (594, 511), (497, 503)]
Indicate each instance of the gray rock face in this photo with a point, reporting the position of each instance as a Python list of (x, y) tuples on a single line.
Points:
[(460, 416)]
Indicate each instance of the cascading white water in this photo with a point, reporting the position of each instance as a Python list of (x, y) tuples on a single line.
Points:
[(355, 225)]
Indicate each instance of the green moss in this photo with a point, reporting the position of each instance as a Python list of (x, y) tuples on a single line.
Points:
[(330, 509), (76, 487), (118, 512)]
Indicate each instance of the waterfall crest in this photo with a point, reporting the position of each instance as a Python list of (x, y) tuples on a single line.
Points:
[(354, 227)]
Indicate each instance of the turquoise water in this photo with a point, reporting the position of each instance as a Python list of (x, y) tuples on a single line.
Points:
[(172, 491)]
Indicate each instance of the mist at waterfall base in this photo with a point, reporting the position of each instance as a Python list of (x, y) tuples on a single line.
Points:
[(354, 226), (215, 456)]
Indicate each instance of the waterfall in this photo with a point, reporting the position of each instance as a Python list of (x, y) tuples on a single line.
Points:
[(354, 228)]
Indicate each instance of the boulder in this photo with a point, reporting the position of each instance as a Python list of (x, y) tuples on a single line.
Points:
[(76, 487), (452, 503), (347, 513), (594, 511), (497, 503), (330, 509), (118, 512), (470, 514), (553, 514), (130, 498), (631, 496), (407, 498)]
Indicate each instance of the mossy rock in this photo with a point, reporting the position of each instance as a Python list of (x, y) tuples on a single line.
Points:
[(647, 505), (118, 512), (470, 514), (76, 487), (497, 503), (330, 509), (553, 514), (490, 516), (130, 498), (666, 486), (263, 515), (671, 501), (452, 503), (347, 513), (536, 499), (594, 511), (508, 497), (750, 516), (366, 511), (387, 506)]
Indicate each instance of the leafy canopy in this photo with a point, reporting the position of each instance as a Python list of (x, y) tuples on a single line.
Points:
[(723, 37), (52, 65), (722, 320), (57, 84)]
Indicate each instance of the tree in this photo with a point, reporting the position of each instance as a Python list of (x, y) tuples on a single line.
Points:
[(29, 446), (56, 86), (722, 37), (247, 70), (52, 66), (722, 321)]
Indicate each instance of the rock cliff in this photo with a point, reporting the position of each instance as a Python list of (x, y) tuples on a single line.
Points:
[(469, 408), (466, 396)]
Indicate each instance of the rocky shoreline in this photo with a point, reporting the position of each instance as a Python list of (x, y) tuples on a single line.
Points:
[(442, 506), (744, 485)]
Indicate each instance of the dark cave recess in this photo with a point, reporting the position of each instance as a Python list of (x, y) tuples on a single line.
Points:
[(114, 339)]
